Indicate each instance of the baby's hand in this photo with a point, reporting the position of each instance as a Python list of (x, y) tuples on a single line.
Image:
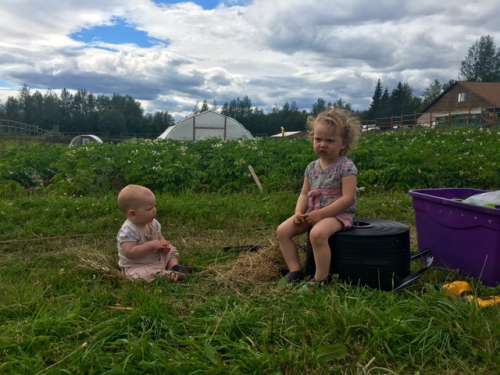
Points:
[(166, 246), (156, 245), (299, 219)]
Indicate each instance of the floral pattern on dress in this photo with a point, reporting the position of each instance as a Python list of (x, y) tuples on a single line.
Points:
[(329, 181)]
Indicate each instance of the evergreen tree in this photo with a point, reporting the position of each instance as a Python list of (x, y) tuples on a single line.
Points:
[(402, 100), (318, 107), (482, 62), (26, 105), (385, 104), (37, 109), (204, 106), (52, 111), (431, 93), (112, 122), (65, 101), (246, 107), (375, 109), (12, 109), (225, 109), (341, 104)]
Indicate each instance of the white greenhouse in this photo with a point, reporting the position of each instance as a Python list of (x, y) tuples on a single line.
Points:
[(206, 125), (84, 139)]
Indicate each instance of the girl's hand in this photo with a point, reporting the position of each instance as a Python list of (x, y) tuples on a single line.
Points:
[(298, 219), (312, 217)]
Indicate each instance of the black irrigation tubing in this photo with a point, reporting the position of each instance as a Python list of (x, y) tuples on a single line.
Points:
[(112, 234), (17, 240)]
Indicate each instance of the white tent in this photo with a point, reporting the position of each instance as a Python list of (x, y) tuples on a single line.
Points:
[(84, 139), (206, 125)]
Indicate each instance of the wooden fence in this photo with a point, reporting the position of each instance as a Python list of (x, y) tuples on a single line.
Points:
[(11, 128), (485, 118)]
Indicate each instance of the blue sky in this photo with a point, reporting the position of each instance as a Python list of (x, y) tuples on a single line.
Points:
[(119, 32), (170, 55), (122, 32), (207, 4)]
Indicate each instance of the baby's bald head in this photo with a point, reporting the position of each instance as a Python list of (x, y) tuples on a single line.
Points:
[(133, 196)]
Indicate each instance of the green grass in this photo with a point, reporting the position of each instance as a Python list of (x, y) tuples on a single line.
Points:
[(55, 315)]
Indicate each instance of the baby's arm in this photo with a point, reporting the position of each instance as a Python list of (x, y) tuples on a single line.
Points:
[(133, 250), (166, 245)]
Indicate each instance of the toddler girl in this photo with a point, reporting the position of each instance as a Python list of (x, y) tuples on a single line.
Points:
[(326, 203), (142, 250)]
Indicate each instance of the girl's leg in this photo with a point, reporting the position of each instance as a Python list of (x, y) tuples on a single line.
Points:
[(285, 232), (319, 235)]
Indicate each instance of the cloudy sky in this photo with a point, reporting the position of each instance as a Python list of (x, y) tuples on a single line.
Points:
[(171, 54)]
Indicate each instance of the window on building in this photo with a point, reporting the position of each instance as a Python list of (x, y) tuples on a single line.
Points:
[(462, 97)]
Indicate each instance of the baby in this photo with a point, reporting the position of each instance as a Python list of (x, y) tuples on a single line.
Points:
[(143, 252)]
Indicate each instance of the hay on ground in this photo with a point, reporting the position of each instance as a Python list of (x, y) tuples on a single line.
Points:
[(98, 261), (261, 266)]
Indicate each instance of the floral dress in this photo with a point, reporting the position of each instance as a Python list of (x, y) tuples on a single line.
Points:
[(326, 186)]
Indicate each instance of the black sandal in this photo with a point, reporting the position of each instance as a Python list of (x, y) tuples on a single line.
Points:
[(183, 268), (294, 277)]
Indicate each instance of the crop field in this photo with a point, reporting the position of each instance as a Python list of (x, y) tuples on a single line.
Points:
[(64, 308)]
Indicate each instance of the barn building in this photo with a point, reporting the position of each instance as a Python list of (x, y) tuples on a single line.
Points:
[(464, 101)]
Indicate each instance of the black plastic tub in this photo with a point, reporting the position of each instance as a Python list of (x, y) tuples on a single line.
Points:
[(374, 253)]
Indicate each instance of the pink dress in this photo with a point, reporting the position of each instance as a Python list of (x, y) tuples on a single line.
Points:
[(148, 267)]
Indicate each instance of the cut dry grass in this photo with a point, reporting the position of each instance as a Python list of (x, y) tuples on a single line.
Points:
[(97, 260), (250, 267), (261, 266)]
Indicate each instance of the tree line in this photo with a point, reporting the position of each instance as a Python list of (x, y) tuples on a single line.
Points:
[(289, 116), (401, 99), (84, 112), (121, 116)]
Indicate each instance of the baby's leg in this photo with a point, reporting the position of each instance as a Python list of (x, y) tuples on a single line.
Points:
[(147, 272), (319, 235), (285, 232), (171, 258)]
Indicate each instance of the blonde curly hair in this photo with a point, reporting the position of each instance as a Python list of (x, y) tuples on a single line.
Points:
[(346, 125)]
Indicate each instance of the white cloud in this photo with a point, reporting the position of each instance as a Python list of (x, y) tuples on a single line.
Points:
[(272, 51)]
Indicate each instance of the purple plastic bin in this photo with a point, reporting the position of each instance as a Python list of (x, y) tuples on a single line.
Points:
[(460, 236)]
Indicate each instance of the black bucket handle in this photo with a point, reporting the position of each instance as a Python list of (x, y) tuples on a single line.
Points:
[(410, 279), (361, 225)]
